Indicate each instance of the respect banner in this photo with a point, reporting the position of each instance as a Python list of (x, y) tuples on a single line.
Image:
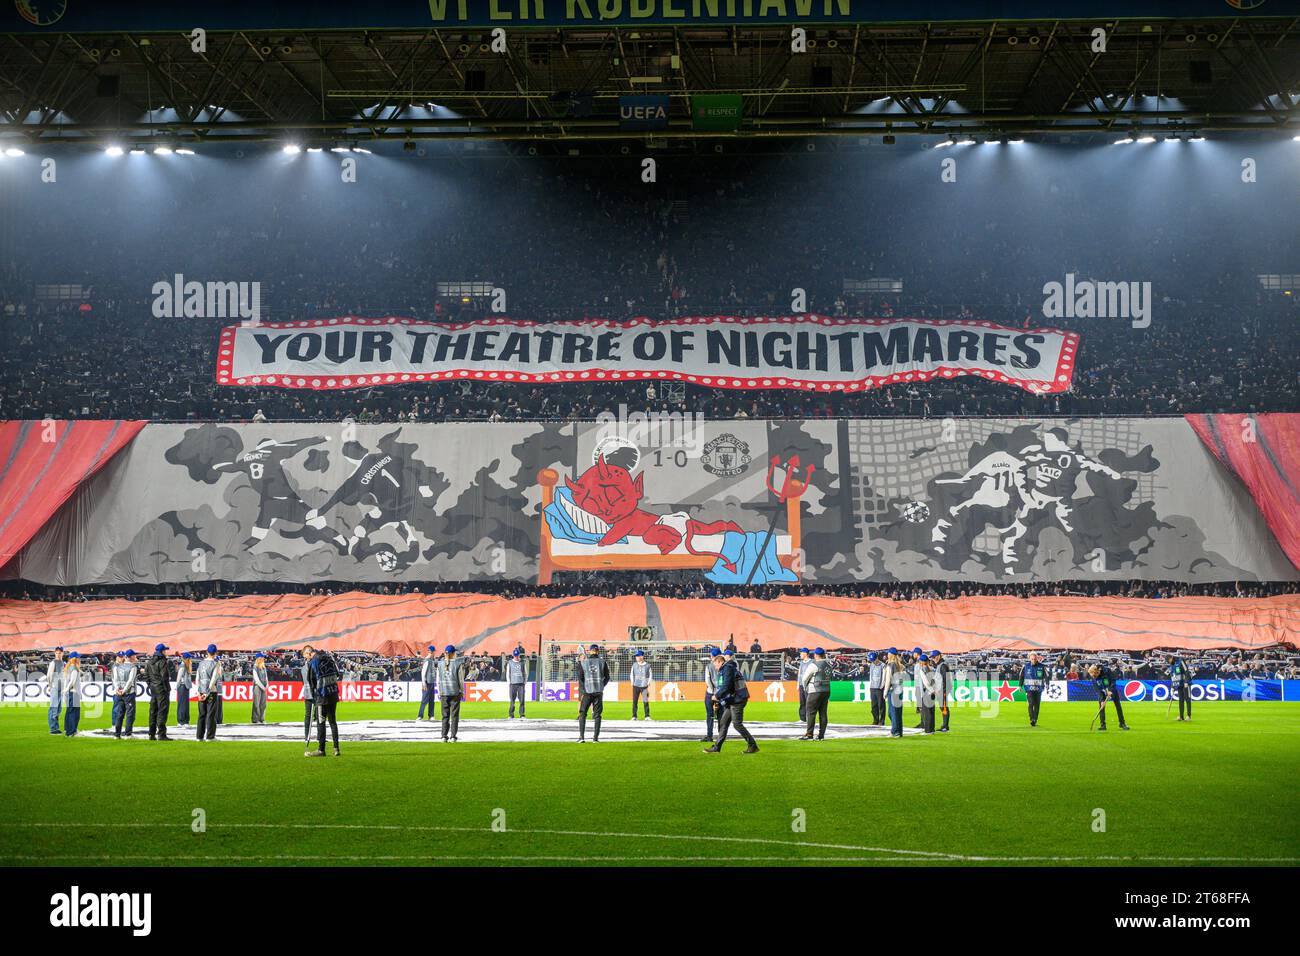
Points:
[(809, 352)]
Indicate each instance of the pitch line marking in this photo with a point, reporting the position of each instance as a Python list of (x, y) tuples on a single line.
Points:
[(477, 856), (923, 854)]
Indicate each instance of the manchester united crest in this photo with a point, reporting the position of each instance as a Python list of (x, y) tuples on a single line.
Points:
[(725, 456)]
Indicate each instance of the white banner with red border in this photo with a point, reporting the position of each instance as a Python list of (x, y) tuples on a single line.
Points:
[(807, 352)]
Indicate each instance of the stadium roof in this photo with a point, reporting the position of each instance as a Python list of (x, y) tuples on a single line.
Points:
[(564, 82)]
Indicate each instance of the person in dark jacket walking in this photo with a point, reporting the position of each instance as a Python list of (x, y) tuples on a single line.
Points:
[(157, 677), (730, 698)]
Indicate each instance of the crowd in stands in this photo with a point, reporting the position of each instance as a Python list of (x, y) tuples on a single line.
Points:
[(1281, 662), (568, 242), (658, 585)]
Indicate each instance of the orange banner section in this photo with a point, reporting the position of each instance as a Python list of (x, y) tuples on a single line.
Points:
[(41, 466), (1264, 452), (408, 623)]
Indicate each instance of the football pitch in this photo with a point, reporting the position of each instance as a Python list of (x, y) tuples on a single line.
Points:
[(1221, 790)]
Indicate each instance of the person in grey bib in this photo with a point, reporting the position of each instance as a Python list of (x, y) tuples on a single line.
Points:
[(261, 683), (641, 677), (516, 677), (817, 683), (593, 675), (54, 681), (451, 691), (208, 683), (923, 684), (132, 677), (710, 686), (117, 687), (876, 687), (184, 681), (805, 662), (428, 684)]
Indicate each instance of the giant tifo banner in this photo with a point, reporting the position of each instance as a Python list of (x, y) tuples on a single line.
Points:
[(732, 502), (405, 624), (810, 352)]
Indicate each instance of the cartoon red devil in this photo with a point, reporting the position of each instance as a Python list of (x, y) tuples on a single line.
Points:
[(609, 492)]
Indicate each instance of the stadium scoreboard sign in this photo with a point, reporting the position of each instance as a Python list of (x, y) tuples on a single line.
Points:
[(805, 352), (74, 16)]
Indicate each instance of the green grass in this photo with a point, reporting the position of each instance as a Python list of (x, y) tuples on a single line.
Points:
[(993, 791)]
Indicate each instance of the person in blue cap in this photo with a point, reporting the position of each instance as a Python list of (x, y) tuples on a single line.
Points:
[(451, 691), (54, 682), (710, 685), (817, 682), (158, 679), (207, 684), (805, 662), (876, 687), (132, 679), (516, 676), (428, 683), (72, 694), (1180, 686), (592, 676), (923, 687), (261, 685), (730, 697), (184, 681), (640, 677), (117, 686)]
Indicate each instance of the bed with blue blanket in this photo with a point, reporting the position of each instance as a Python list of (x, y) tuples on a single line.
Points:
[(570, 542)]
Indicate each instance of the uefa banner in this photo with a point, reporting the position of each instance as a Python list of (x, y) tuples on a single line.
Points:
[(808, 352), (774, 692), (731, 502), (37, 691)]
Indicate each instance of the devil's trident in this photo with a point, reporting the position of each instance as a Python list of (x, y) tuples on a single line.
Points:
[(788, 483)]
